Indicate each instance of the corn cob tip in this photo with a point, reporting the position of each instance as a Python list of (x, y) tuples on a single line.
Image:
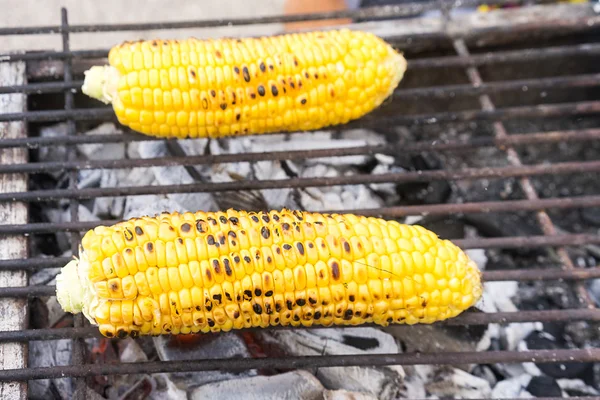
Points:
[(69, 291), (101, 83)]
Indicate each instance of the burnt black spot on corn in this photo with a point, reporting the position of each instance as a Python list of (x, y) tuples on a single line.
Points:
[(361, 270), (142, 99)]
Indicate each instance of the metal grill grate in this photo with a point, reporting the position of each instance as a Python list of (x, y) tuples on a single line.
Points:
[(66, 61)]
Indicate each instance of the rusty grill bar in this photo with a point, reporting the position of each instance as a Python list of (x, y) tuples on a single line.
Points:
[(501, 141)]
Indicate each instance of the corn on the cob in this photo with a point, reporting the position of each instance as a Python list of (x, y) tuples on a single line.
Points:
[(182, 273), (215, 88)]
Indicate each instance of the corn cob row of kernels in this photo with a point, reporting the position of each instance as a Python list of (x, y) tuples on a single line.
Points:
[(215, 88), (201, 272)]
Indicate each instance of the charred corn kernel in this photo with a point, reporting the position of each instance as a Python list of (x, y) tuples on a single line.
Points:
[(199, 87), (183, 274)]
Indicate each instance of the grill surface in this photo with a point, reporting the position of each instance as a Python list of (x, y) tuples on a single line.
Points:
[(488, 113)]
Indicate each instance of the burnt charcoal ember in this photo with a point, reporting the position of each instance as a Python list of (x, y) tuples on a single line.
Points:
[(538, 340), (434, 192), (446, 227), (591, 215), (580, 333), (547, 295), (544, 386), (499, 260)]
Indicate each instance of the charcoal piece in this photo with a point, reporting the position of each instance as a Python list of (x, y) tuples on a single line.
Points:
[(538, 340), (499, 260), (360, 342), (445, 227), (540, 386), (434, 192), (591, 215)]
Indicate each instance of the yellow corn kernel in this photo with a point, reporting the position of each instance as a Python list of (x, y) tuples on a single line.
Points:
[(185, 274), (147, 80)]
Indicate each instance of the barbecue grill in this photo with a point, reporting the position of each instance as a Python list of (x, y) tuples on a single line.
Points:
[(512, 80)]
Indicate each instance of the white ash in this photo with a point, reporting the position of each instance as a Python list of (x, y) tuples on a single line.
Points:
[(456, 383), (103, 151), (335, 197), (385, 166), (175, 176), (512, 388), (131, 352), (43, 276), (166, 389), (382, 382), (346, 395), (267, 170), (311, 141), (478, 256), (50, 353), (369, 137), (222, 346), (497, 297), (578, 386), (293, 385)]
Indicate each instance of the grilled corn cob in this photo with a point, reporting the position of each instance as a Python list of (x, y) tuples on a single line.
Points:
[(182, 273), (216, 88)]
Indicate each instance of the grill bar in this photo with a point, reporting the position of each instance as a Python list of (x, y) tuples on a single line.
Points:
[(293, 362), (538, 111), (417, 147), (511, 56), (412, 176), (78, 345), (558, 82), (414, 147), (500, 57), (395, 11), (467, 318), (513, 158), (399, 211)]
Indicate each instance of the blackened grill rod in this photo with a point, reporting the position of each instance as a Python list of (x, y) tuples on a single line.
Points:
[(513, 158), (525, 55), (398, 211), (416, 147), (445, 91), (359, 179), (537, 111), (295, 362), (467, 318), (501, 57)]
